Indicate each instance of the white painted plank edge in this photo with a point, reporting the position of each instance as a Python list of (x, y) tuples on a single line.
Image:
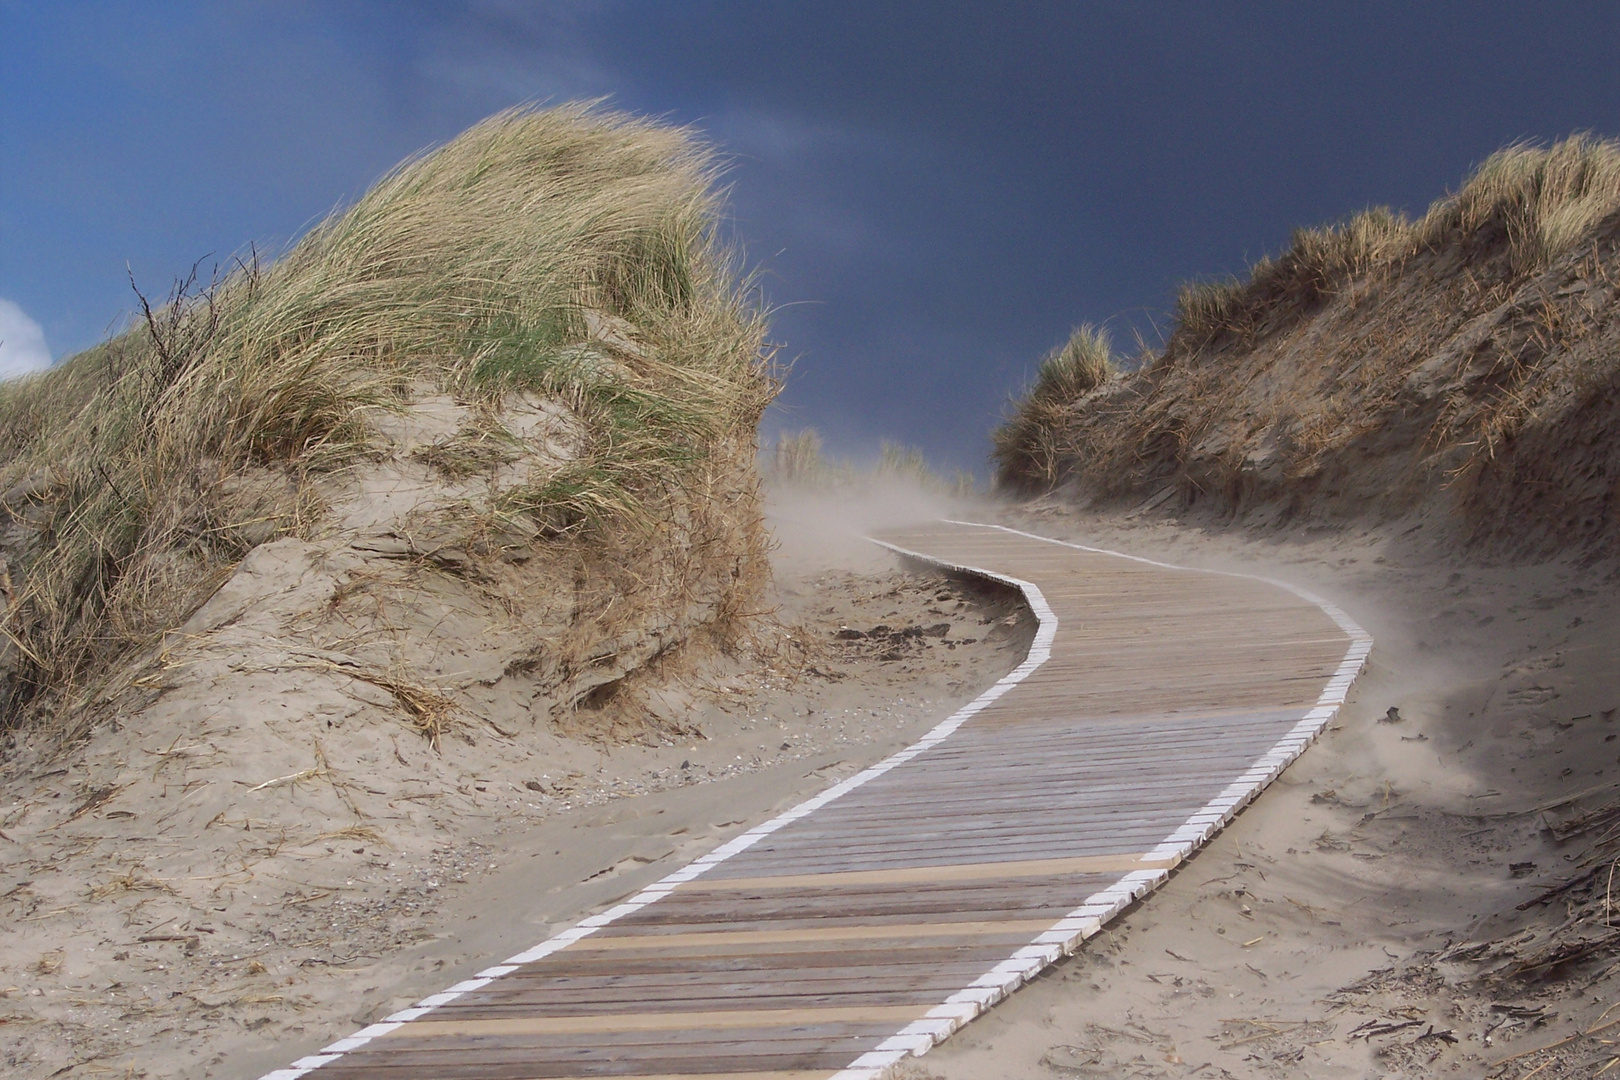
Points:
[(1039, 652), (1061, 939), (1068, 933)]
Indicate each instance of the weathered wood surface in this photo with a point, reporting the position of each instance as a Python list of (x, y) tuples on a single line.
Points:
[(872, 921)]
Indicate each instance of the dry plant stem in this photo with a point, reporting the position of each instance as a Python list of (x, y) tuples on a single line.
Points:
[(1608, 892)]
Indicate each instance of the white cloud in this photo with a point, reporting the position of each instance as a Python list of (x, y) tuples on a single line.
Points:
[(22, 343)]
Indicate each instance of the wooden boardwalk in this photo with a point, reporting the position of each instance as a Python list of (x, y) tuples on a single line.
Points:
[(873, 920)]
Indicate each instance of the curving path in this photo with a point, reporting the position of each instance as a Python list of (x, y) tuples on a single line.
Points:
[(873, 920)]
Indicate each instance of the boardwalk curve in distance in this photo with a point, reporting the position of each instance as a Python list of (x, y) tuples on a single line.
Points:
[(871, 921)]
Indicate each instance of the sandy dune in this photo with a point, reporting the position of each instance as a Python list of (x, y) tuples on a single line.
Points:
[(1360, 919), (178, 900)]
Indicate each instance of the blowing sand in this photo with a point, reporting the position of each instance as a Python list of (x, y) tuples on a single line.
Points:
[(178, 901), (184, 896), (1361, 918)]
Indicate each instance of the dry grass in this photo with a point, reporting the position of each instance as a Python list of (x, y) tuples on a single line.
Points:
[(1466, 356), (476, 448), (432, 711), (1317, 263), (1026, 444), (477, 267), (1581, 911), (1540, 200), (1546, 199), (797, 460)]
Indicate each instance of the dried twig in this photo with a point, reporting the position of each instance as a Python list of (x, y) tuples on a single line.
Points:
[(97, 797), (290, 778)]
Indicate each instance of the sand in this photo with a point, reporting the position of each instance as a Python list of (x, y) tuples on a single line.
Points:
[(1338, 928), (182, 901), (271, 854)]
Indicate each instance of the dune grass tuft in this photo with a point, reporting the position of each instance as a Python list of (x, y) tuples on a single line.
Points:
[(1520, 212), (1541, 200), (1546, 199), (136, 474), (797, 460), (1025, 444)]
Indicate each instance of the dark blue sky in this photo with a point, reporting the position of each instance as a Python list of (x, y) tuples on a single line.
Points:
[(937, 192)]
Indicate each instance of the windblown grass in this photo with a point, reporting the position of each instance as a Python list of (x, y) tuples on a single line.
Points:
[(798, 460), (1267, 379), (1025, 445), (1546, 199), (1536, 201), (136, 474)]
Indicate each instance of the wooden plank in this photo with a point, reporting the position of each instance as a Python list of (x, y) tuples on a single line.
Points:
[(520, 1062), (710, 1020), (782, 993), (731, 939), (1093, 864), (542, 1072), (1060, 793), (920, 953)]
